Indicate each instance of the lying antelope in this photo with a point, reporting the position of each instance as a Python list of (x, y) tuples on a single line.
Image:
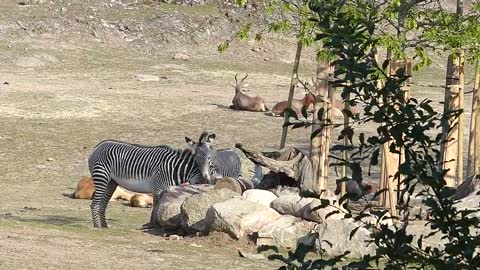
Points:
[(242, 101), (297, 104)]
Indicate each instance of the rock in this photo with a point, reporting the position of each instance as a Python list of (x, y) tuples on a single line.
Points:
[(238, 217), (419, 228), (264, 197), (292, 204), (50, 159), (337, 233), (284, 232), (171, 200), (228, 183), (29, 62), (306, 208), (147, 78), (194, 208), (377, 218), (181, 56), (467, 187), (314, 212)]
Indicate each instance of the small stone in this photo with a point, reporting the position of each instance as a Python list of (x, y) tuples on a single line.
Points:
[(50, 159), (256, 49), (147, 78), (196, 245), (266, 59), (175, 237), (6, 83), (181, 56)]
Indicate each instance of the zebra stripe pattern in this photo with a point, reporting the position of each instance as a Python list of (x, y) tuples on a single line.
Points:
[(143, 169), (215, 164)]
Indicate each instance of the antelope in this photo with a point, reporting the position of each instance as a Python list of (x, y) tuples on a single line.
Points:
[(242, 101), (297, 104)]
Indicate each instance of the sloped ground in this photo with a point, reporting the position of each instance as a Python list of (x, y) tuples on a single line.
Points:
[(67, 81)]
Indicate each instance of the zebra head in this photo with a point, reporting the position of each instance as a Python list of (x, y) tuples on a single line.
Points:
[(204, 156)]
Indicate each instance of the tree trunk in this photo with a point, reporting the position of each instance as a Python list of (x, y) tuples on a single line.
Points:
[(293, 83), (320, 144), (450, 129), (476, 162), (473, 161), (461, 120)]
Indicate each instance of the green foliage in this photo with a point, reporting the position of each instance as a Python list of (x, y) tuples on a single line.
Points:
[(349, 30)]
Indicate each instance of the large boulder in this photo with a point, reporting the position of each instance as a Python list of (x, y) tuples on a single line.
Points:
[(194, 208), (308, 208), (238, 217), (334, 239), (314, 211), (261, 196), (285, 232), (171, 200), (291, 204)]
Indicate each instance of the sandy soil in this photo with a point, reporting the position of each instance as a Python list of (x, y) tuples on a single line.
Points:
[(65, 85)]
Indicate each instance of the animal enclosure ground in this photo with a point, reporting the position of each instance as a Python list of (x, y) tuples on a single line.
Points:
[(62, 91)]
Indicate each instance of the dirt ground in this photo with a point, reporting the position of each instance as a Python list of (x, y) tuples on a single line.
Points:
[(67, 81)]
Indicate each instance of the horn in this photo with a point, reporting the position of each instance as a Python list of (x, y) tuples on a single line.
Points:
[(236, 81), (244, 78)]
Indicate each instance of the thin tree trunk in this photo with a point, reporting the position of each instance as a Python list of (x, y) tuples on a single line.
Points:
[(320, 144), (472, 167), (461, 120), (450, 133), (476, 162), (293, 82)]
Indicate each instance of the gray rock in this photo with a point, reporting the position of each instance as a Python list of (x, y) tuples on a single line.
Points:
[(171, 200), (194, 208), (314, 212), (264, 197), (238, 217), (285, 232), (337, 233), (307, 208), (291, 204), (29, 62), (181, 56), (147, 78)]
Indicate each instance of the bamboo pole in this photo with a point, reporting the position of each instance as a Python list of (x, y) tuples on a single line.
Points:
[(293, 82)]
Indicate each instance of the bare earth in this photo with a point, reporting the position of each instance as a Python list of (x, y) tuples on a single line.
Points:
[(65, 85)]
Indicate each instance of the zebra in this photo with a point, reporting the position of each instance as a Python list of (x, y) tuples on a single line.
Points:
[(138, 168), (214, 164)]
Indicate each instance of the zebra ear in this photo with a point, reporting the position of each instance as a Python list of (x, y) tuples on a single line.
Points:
[(203, 138), (189, 141), (211, 138)]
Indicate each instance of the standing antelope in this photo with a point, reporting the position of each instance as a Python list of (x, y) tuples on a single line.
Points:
[(242, 101)]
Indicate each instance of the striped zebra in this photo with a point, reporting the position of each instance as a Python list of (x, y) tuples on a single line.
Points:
[(139, 168), (214, 164)]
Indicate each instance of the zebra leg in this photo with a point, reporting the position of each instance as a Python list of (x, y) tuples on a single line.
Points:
[(104, 188)]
